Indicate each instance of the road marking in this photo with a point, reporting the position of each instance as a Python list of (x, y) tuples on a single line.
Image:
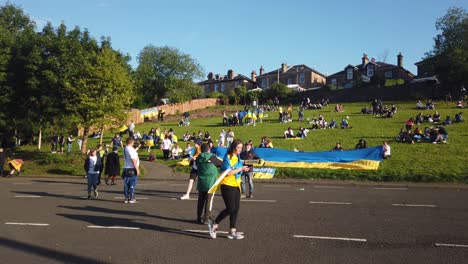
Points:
[(115, 227), (139, 198), (391, 188), (21, 183), (332, 238), (450, 245), (206, 231), (277, 186), (328, 187), (27, 196), (329, 203), (260, 201), (26, 224), (415, 205)]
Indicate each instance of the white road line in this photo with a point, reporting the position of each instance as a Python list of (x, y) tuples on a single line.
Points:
[(115, 227), (137, 198), (206, 231), (260, 201), (332, 238), (277, 186), (415, 205), (27, 196), (329, 203), (391, 188), (26, 224), (22, 183), (450, 245), (328, 187)]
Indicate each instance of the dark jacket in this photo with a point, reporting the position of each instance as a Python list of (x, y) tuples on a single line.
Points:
[(248, 155), (113, 164), (98, 165)]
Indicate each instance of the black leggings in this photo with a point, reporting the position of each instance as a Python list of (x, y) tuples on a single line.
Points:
[(231, 197), (203, 206)]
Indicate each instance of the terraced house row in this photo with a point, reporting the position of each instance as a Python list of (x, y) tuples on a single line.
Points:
[(302, 77)]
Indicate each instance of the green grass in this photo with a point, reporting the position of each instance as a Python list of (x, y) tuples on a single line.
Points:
[(420, 162)]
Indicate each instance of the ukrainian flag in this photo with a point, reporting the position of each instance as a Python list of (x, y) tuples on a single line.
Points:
[(359, 159)]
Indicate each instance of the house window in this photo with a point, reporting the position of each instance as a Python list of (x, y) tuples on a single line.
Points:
[(388, 74), (333, 82), (236, 84), (216, 87), (223, 86), (264, 83), (290, 81), (349, 74), (302, 78), (370, 70)]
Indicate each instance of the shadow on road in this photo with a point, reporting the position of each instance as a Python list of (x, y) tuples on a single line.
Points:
[(112, 221), (45, 252), (59, 182), (63, 196)]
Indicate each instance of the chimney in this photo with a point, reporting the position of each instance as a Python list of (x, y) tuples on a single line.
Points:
[(400, 60), (253, 76), (262, 71), (284, 67), (230, 74), (210, 76), (217, 77), (365, 60), (373, 60)]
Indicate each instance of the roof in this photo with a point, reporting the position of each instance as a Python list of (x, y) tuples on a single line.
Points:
[(379, 64), (294, 68), (238, 77)]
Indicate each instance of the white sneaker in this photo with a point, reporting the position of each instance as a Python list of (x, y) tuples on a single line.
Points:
[(212, 228), (235, 235), (96, 193), (185, 197)]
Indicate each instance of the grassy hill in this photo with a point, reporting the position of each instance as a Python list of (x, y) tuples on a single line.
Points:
[(420, 162)]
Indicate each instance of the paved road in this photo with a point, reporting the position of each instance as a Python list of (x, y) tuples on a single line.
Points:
[(49, 221)]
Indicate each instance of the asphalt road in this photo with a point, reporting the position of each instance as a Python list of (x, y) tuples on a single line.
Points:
[(50, 221)]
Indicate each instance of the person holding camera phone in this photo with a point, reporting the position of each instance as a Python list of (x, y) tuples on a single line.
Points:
[(131, 170), (247, 176)]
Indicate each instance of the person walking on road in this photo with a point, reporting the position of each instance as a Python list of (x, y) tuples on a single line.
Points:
[(92, 166), (112, 165), (193, 173), (230, 190), (131, 170)]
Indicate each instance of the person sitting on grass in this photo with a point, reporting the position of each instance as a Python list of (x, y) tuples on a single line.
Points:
[(447, 122), (289, 133), (176, 152), (344, 123), (460, 104), (314, 123), (337, 147), (419, 105), (332, 124), (459, 118), (417, 134), (303, 132), (401, 136), (207, 136), (362, 144), (436, 117), (427, 118), (386, 150), (442, 135)]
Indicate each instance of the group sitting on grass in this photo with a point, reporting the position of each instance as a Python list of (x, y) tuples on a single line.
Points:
[(433, 135)]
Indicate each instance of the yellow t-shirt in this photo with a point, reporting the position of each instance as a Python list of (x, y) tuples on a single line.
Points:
[(230, 180)]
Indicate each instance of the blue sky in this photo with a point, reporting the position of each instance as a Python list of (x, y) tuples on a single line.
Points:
[(245, 34)]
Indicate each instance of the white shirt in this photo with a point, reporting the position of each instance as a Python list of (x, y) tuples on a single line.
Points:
[(175, 152), (166, 143), (131, 127), (92, 164), (129, 155), (386, 149)]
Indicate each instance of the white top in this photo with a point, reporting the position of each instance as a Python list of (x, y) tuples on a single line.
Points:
[(386, 149), (175, 151), (166, 143), (92, 164), (222, 135), (131, 127), (129, 155), (230, 135)]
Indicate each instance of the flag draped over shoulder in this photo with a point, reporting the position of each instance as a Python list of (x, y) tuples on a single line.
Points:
[(359, 159)]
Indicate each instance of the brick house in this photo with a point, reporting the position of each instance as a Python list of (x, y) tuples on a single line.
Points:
[(300, 75), (226, 83), (380, 73)]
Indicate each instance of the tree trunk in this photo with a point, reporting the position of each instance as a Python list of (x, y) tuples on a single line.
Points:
[(39, 142), (102, 135), (85, 139)]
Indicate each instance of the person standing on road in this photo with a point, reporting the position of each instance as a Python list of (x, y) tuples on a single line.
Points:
[(131, 170), (207, 173), (230, 190), (247, 176), (92, 166), (112, 165)]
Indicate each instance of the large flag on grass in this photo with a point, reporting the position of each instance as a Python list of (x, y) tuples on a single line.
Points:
[(359, 159)]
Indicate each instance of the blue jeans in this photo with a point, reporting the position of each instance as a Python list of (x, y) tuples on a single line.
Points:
[(129, 187), (247, 177), (92, 181), (69, 148)]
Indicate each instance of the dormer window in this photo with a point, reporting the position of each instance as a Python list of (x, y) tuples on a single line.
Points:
[(370, 70), (349, 73)]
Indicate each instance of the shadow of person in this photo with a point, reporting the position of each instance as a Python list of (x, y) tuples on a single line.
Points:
[(124, 222), (63, 196)]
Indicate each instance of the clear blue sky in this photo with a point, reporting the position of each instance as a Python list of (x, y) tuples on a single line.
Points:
[(245, 34)]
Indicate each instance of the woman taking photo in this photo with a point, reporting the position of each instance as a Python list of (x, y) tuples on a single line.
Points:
[(230, 190)]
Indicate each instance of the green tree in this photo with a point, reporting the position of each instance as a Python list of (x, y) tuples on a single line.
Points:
[(280, 90), (450, 53), (165, 71), (240, 92)]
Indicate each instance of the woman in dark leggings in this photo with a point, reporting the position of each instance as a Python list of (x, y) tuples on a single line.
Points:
[(230, 190)]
